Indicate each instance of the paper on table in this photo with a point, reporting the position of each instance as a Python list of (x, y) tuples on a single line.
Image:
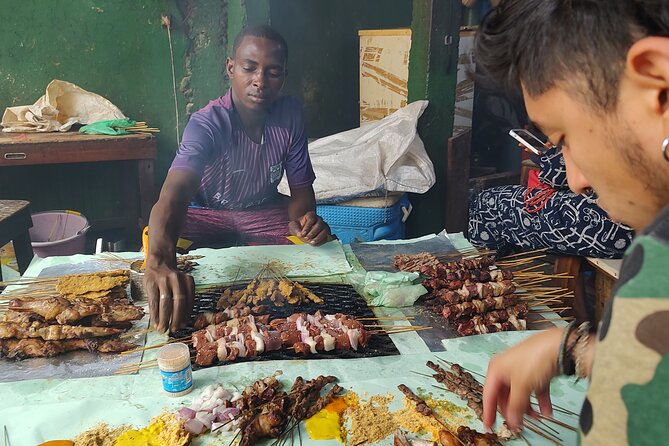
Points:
[(63, 409), (76, 364), (220, 266)]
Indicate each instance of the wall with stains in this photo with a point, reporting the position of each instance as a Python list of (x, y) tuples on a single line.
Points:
[(120, 50), (323, 54)]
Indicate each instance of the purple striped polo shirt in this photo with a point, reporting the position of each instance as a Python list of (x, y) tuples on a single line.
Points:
[(236, 172)]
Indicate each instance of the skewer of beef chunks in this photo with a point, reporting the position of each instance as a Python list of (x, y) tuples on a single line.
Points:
[(425, 410)]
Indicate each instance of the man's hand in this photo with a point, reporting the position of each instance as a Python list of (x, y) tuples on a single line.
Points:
[(171, 294), (310, 228), (518, 372)]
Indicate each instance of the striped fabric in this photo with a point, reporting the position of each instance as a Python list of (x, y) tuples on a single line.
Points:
[(236, 172)]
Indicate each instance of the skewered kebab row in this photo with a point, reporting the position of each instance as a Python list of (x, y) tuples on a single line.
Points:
[(414, 262), (470, 437), (421, 406), (53, 332), (208, 318), (304, 333), (462, 384), (479, 325), (480, 306), (454, 279), (38, 348), (277, 291), (64, 311), (471, 290)]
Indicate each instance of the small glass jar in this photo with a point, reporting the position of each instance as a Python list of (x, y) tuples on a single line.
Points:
[(175, 369)]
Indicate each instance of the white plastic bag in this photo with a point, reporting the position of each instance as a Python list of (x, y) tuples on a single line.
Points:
[(63, 105), (380, 156)]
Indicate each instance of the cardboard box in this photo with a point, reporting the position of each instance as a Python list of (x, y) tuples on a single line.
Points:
[(384, 72)]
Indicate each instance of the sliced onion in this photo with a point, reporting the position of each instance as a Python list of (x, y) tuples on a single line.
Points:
[(236, 396), (186, 413), (312, 344), (194, 426), (353, 337), (299, 323), (205, 418), (221, 393), (227, 414), (328, 341)]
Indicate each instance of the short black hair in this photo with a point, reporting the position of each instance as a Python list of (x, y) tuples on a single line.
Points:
[(264, 31), (580, 43)]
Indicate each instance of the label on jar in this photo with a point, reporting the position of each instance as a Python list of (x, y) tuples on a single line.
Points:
[(175, 382)]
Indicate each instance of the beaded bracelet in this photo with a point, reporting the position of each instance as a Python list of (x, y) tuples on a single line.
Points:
[(581, 348), (562, 356)]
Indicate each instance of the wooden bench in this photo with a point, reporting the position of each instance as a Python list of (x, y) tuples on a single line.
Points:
[(15, 221)]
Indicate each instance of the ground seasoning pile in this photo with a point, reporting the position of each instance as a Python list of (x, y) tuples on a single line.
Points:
[(100, 435), (370, 421)]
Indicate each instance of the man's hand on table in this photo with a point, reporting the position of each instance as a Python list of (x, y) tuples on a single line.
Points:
[(311, 229), (516, 373), (171, 294)]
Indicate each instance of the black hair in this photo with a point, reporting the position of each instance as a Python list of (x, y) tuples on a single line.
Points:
[(582, 44), (264, 31)]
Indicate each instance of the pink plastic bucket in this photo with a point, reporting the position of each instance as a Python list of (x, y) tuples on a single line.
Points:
[(58, 233)]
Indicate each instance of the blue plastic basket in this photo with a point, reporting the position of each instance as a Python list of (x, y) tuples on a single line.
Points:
[(350, 223)]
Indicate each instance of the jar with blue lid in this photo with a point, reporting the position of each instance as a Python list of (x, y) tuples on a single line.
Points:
[(175, 369)]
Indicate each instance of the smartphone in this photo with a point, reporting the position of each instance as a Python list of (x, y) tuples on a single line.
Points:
[(528, 140)]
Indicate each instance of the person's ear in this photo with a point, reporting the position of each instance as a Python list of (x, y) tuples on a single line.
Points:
[(648, 69), (229, 66)]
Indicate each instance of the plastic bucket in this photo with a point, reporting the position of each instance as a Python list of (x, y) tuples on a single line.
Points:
[(58, 233)]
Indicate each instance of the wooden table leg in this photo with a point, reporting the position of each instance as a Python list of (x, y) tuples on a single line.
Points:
[(146, 190), (23, 251)]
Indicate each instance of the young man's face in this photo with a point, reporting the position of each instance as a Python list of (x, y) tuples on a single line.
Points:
[(617, 154), (257, 73)]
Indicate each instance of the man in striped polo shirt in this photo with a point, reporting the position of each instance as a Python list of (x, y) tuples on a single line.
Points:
[(222, 186)]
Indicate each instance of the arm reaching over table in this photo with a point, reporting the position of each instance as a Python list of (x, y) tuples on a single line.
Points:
[(304, 223), (169, 291), (528, 368)]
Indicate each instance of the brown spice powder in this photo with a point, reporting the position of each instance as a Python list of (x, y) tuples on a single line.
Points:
[(370, 421), (100, 435)]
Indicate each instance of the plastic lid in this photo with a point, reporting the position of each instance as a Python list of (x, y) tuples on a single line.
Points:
[(173, 357)]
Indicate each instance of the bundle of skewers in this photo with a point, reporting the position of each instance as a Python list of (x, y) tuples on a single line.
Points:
[(271, 287), (138, 127), (243, 332), (50, 316), (461, 382), (479, 295), (450, 435)]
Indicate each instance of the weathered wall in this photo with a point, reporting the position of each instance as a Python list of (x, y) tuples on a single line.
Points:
[(323, 54), (120, 50)]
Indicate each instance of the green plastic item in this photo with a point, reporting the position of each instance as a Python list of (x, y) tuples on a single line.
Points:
[(108, 127), (393, 289)]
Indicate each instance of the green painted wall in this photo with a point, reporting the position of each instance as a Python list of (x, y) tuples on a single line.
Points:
[(116, 48)]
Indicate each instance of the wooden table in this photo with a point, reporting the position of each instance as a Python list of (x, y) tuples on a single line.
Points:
[(14, 224), (606, 275), (31, 149)]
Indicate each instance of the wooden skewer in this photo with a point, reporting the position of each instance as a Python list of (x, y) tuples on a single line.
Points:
[(138, 364), (128, 352), (129, 371), (530, 268), (385, 318), (523, 253), (558, 422), (568, 318)]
